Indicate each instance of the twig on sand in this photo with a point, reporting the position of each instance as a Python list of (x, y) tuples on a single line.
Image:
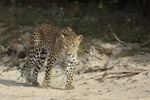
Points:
[(122, 72), (145, 43), (96, 68), (7, 70), (115, 36)]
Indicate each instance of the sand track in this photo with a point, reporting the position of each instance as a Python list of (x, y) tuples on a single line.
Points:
[(87, 87)]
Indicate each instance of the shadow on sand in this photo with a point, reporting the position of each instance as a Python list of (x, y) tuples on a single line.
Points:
[(11, 83)]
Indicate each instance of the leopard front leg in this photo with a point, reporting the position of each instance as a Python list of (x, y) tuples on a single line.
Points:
[(47, 83), (70, 74), (48, 73)]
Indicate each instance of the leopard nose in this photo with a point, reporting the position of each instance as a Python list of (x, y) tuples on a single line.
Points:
[(69, 54)]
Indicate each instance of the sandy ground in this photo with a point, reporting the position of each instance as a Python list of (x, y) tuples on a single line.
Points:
[(87, 87)]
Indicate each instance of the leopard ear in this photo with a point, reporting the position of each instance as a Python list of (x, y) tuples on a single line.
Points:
[(80, 37), (69, 29), (62, 36)]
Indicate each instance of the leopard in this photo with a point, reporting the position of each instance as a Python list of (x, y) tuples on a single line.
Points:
[(49, 43)]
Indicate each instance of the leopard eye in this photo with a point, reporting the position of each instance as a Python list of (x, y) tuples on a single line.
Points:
[(65, 46), (73, 45)]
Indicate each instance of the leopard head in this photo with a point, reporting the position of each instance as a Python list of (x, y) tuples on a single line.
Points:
[(71, 41)]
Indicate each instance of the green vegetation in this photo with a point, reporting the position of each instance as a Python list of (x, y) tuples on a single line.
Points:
[(88, 18)]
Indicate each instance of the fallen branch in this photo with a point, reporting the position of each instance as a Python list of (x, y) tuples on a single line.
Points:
[(115, 36), (145, 43), (123, 72), (7, 70), (80, 70), (95, 69)]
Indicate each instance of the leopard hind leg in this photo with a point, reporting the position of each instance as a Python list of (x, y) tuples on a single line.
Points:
[(26, 71), (39, 64)]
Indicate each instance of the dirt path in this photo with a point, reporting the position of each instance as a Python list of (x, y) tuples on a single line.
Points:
[(87, 87)]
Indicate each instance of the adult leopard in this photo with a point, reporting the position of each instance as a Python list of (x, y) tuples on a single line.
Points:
[(50, 43)]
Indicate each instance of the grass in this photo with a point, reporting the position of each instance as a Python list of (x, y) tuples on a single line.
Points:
[(88, 20)]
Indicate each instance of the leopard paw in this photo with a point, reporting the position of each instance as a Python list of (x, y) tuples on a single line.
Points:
[(35, 83), (28, 82), (69, 87), (46, 85)]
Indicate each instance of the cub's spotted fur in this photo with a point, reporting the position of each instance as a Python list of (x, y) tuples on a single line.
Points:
[(49, 43)]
